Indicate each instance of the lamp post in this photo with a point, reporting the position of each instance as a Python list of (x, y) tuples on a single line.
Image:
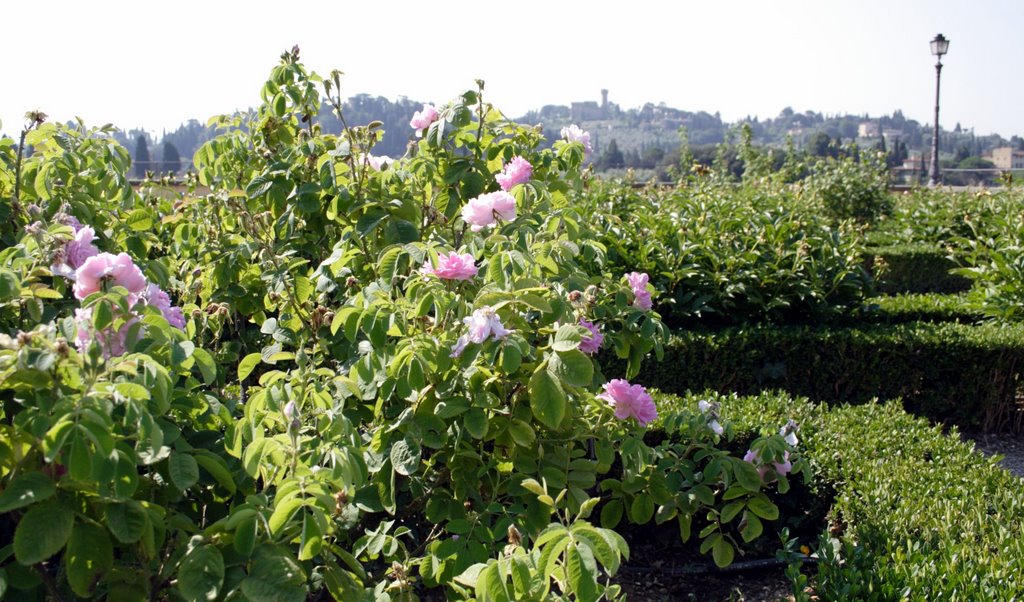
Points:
[(939, 47)]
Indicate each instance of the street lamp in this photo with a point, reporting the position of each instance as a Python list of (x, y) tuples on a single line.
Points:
[(939, 47)]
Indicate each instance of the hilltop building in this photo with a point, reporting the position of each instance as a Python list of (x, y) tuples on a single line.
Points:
[(589, 110), (1007, 157)]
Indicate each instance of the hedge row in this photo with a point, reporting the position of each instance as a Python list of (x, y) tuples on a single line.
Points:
[(919, 307), (913, 268), (968, 375), (916, 515)]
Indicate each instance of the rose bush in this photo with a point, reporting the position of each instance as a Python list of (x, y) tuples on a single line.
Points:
[(373, 379)]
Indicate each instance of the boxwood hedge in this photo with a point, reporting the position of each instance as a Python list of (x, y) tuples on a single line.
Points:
[(916, 515), (952, 373), (913, 268)]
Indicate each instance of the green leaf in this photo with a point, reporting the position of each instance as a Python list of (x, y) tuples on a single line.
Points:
[(312, 537), (217, 467), (184, 470), (405, 456), (546, 397), (572, 367), (567, 338), (747, 475), (582, 578), (28, 488), (206, 364), (642, 509), (731, 510), (722, 552), (274, 577), (750, 527), (245, 536), (201, 574), (522, 433), (102, 315), (611, 514), (476, 422), (763, 507), (42, 532), (600, 547), (126, 520), (10, 286), (88, 557), (282, 512), (245, 367)]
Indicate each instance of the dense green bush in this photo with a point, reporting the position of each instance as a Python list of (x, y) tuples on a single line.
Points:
[(853, 186), (994, 260), (925, 307), (916, 515), (952, 373), (914, 268), (727, 253)]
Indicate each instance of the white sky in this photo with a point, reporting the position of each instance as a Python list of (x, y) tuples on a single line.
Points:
[(157, 64)]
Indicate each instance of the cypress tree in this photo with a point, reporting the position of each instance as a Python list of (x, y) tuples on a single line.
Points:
[(142, 162)]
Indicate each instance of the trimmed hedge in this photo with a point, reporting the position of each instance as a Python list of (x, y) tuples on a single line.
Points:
[(919, 307), (916, 515), (913, 268), (952, 373)]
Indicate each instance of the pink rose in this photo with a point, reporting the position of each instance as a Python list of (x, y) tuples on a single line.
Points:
[(112, 342), (485, 210), (590, 345), (118, 269), (422, 119), (75, 251), (156, 297), (629, 400), (782, 469), (483, 324), (452, 266), (573, 133), (516, 171), (377, 163), (641, 297)]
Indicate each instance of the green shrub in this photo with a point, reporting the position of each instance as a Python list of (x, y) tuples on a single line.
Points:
[(914, 268), (952, 373), (919, 307), (728, 253), (916, 515), (850, 187)]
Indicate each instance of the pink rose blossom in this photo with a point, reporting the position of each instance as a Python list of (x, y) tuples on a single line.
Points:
[(452, 266), (156, 297), (591, 344), (629, 400), (483, 324), (485, 210), (377, 163), (119, 269), (112, 342), (638, 282), (422, 119), (573, 133), (75, 251), (782, 469), (516, 171)]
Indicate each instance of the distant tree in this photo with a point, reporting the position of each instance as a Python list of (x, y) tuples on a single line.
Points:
[(142, 162), (612, 157), (820, 145), (171, 160)]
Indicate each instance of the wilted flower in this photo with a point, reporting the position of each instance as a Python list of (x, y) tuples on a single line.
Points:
[(422, 119), (485, 210), (591, 344), (717, 428), (788, 432), (483, 324), (641, 297), (452, 266), (573, 133), (118, 269), (629, 400), (516, 171)]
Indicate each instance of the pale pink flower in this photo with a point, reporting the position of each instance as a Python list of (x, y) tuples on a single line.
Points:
[(573, 133), (629, 400), (377, 163), (112, 342), (516, 171), (422, 119), (156, 297), (75, 251), (118, 269), (485, 210), (782, 469), (641, 297), (715, 427), (452, 266), (483, 324), (591, 344)]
